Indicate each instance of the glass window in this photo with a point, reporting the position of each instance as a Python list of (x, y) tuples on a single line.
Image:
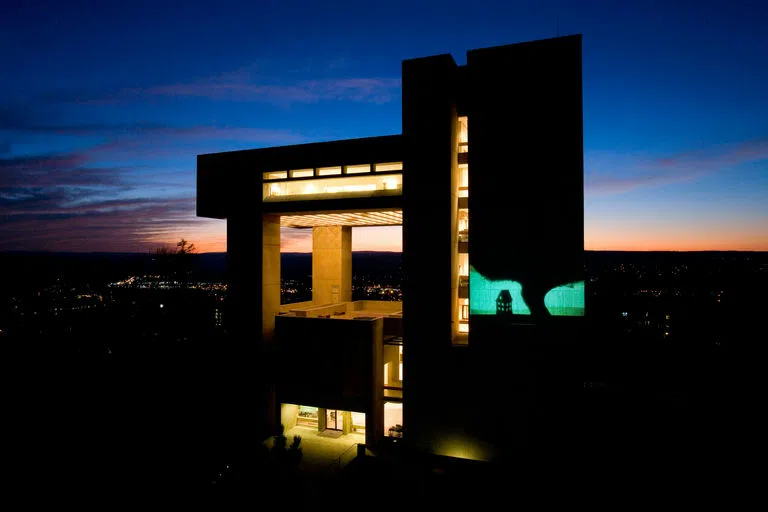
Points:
[(307, 416), (393, 419), (357, 169), (328, 171), (302, 173), (353, 186), (463, 180), (276, 175), (463, 134), (392, 166)]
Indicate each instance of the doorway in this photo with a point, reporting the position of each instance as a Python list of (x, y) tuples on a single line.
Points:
[(334, 419)]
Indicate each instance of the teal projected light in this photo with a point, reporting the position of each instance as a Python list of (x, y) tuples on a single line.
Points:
[(567, 300), (492, 297), (484, 295)]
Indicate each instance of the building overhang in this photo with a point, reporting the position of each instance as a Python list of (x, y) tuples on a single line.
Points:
[(231, 181)]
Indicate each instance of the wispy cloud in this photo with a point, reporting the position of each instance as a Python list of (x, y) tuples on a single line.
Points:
[(614, 176), (246, 86), (373, 90)]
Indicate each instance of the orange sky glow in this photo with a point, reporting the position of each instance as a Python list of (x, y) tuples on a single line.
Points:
[(212, 237)]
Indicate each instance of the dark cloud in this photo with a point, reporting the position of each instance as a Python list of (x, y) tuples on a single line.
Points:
[(116, 225)]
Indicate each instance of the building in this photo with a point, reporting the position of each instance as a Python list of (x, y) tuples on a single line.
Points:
[(477, 360)]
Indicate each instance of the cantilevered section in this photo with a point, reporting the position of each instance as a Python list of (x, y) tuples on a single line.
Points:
[(345, 175)]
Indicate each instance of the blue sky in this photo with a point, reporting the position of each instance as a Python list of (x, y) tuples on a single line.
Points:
[(104, 106)]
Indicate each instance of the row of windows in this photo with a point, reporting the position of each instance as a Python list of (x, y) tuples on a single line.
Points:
[(333, 171)]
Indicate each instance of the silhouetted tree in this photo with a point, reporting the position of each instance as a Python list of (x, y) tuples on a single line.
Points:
[(175, 265)]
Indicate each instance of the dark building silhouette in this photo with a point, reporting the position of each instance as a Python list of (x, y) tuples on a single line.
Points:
[(477, 360)]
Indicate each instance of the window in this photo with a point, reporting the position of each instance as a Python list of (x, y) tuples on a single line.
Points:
[(400, 374), (328, 171), (357, 169), (463, 180), (463, 135), (392, 166), (276, 175), (302, 173), (352, 186)]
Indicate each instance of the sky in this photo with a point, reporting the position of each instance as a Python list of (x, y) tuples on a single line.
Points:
[(104, 106)]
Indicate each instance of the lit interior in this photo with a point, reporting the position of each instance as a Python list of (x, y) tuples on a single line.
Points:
[(357, 169), (276, 175), (393, 418), (463, 135), (329, 171), (387, 167), (301, 173), (463, 264), (309, 417), (463, 180), (353, 186), (357, 218)]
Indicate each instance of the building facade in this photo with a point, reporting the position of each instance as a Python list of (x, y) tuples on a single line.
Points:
[(477, 360)]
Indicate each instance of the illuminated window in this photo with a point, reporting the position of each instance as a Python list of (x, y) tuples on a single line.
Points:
[(357, 169), (463, 135), (353, 186), (393, 419), (328, 171), (276, 175), (463, 180), (463, 264), (463, 327), (400, 372), (392, 166), (463, 225), (302, 173), (358, 422), (386, 374), (307, 416)]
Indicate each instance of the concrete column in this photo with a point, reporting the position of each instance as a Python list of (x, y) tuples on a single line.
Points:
[(270, 275), (331, 264)]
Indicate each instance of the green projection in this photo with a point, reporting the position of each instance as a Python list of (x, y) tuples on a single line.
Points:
[(567, 300), (485, 295), (491, 297)]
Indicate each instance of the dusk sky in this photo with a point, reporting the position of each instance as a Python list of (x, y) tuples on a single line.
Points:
[(104, 106)]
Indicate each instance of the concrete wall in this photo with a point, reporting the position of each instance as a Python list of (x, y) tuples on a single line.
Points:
[(288, 415), (392, 356), (270, 274), (331, 264), (429, 125), (378, 306)]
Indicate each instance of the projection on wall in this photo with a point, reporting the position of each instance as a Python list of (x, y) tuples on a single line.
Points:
[(505, 297)]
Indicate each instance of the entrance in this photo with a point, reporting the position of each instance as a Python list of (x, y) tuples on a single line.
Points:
[(334, 419)]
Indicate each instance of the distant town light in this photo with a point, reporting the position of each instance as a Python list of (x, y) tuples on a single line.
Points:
[(161, 306)]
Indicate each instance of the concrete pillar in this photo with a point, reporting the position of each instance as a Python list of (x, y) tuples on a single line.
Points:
[(270, 275), (331, 264)]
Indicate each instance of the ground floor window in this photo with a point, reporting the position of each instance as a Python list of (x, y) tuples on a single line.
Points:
[(307, 416), (358, 422)]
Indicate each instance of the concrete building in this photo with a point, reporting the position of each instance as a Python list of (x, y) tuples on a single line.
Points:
[(456, 368)]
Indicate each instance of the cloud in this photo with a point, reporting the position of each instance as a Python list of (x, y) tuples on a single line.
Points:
[(116, 225), (374, 90), (243, 86), (617, 177)]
